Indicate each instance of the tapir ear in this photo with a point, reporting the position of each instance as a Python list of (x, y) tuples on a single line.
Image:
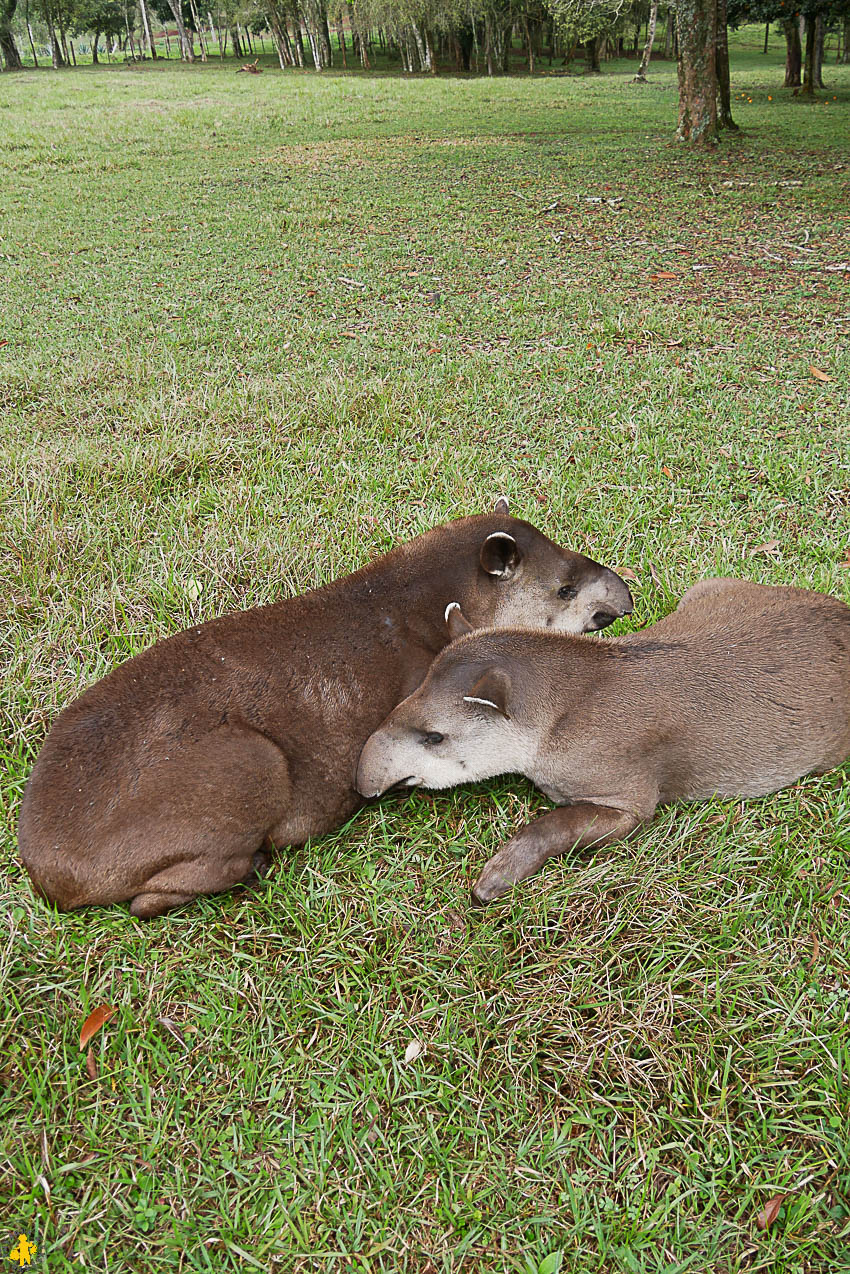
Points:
[(492, 689), (500, 555), (456, 622), (501, 505)]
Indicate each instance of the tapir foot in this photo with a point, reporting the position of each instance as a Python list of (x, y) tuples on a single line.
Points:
[(489, 886), (147, 906), (572, 827), (184, 881)]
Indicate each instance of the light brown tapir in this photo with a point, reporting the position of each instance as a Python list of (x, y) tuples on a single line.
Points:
[(171, 776), (740, 691)]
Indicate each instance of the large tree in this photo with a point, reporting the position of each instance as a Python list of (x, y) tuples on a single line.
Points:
[(696, 24), (10, 58)]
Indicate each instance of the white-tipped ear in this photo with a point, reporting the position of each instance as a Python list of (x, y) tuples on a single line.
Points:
[(456, 622), (501, 505), (500, 554), (492, 689)]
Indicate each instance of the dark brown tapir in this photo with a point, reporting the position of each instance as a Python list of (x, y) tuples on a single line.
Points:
[(171, 776), (739, 692)]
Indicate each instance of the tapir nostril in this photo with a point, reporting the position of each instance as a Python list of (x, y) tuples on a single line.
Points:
[(603, 618)]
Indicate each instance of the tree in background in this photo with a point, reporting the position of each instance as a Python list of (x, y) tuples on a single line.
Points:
[(640, 77), (97, 18), (811, 18), (174, 10), (589, 22), (10, 58)]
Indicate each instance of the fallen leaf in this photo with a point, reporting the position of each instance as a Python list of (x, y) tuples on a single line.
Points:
[(845, 565), (349, 335), (414, 1049), (769, 546), (3, 342), (656, 577), (666, 471), (815, 951), (665, 274), (817, 373), (770, 1211), (95, 1021), (627, 573), (91, 1064), (173, 1029)]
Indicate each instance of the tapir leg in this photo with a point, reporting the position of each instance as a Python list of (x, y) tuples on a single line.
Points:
[(570, 827), (192, 819)]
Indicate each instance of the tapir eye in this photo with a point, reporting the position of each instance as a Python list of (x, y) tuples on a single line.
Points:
[(566, 592), (430, 737)]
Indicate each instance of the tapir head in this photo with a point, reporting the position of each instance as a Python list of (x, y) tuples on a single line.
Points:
[(469, 720), (522, 579)]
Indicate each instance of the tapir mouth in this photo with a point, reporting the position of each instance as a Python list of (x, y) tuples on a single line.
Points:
[(603, 618), (410, 781), (384, 791)]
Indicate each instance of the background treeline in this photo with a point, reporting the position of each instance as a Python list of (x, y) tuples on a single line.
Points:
[(419, 36), (425, 36)]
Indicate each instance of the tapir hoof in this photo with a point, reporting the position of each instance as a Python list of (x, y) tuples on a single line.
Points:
[(489, 886)]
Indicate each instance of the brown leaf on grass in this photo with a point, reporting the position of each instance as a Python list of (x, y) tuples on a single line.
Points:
[(627, 573), (845, 565), (815, 951), (817, 373), (665, 274), (3, 342), (95, 1021), (350, 336), (667, 472), (770, 1211), (655, 576), (91, 1065), (769, 546)]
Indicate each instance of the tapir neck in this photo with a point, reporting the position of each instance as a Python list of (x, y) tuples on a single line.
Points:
[(412, 585)]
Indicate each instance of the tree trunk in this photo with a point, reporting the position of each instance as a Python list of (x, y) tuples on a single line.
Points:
[(697, 32), (199, 28), (592, 50), (820, 32), (56, 57), (721, 58), (808, 74), (283, 44), (9, 55), (668, 34), (146, 27), (766, 36), (420, 47), (793, 53), (845, 56), (430, 52), (187, 51), (32, 45), (640, 78)]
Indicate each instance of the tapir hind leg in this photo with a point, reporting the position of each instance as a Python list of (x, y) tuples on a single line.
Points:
[(233, 804), (188, 820)]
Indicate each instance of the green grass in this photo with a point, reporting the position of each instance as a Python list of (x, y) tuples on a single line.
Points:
[(255, 331)]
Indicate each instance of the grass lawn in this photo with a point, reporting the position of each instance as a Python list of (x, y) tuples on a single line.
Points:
[(254, 330)]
